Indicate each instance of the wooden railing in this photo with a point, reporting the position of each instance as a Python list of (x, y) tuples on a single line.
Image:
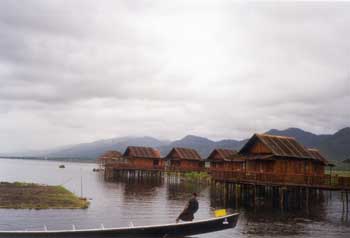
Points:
[(326, 181), (335, 182)]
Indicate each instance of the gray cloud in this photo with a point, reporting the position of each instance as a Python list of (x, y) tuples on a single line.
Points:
[(76, 71)]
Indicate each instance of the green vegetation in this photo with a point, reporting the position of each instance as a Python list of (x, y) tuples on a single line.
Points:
[(196, 176), (191, 176), (343, 173), (339, 166), (34, 196)]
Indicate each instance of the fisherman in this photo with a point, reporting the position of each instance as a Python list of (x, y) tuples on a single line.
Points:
[(190, 209)]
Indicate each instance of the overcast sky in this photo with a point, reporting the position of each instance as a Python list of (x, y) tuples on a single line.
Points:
[(79, 71)]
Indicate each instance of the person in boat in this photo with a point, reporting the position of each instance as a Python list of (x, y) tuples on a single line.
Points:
[(190, 209)]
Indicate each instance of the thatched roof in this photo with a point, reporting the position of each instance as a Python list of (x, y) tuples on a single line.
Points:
[(281, 146), (318, 156), (110, 155), (183, 153), (142, 152), (222, 155)]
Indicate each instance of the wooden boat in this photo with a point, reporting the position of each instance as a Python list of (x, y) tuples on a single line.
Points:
[(166, 230)]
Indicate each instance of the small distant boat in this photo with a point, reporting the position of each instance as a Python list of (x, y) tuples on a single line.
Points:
[(165, 230), (61, 166)]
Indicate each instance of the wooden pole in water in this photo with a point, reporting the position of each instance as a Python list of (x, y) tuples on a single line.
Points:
[(238, 195), (307, 198), (254, 196), (226, 188), (81, 186), (281, 198), (342, 200)]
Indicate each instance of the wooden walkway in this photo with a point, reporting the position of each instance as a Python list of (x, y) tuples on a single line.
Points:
[(325, 182)]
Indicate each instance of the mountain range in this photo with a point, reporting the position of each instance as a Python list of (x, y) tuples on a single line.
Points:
[(334, 146)]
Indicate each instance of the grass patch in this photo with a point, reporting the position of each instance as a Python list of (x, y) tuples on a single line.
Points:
[(196, 176), (20, 195)]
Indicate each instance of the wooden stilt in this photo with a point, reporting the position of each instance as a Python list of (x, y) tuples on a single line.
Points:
[(281, 197)]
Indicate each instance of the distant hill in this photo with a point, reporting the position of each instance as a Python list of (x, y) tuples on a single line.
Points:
[(335, 147), (92, 150), (95, 149), (306, 138), (203, 145)]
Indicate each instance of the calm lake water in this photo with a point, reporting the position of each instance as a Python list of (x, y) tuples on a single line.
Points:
[(117, 204)]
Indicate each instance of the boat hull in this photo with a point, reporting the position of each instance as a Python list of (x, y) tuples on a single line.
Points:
[(168, 230)]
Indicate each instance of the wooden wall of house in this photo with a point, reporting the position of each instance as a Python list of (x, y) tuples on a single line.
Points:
[(146, 163), (260, 166), (185, 164), (286, 166), (318, 169), (251, 166), (290, 166), (312, 168), (233, 166), (190, 164), (228, 166), (217, 165)]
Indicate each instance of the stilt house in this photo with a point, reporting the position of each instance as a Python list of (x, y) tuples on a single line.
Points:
[(141, 158), (183, 159), (225, 160), (109, 157), (282, 157)]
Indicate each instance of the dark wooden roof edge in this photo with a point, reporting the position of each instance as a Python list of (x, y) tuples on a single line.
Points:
[(317, 155)]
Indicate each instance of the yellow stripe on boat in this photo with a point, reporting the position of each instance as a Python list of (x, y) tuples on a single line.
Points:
[(220, 213)]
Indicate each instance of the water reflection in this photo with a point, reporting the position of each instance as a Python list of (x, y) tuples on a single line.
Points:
[(182, 190), (265, 218), (118, 203), (141, 191), (240, 196)]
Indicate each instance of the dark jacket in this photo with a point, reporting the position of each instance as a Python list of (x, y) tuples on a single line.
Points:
[(190, 209)]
